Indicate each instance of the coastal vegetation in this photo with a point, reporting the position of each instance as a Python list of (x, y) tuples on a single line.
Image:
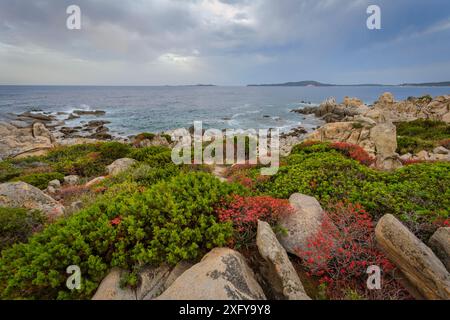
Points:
[(419, 135), (129, 207), (158, 212)]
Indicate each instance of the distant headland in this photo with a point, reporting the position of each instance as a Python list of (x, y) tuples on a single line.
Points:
[(311, 83)]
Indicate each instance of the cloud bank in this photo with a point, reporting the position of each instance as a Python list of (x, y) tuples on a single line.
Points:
[(230, 42)]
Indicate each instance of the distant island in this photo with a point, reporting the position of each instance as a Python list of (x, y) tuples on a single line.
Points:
[(294, 84), (427, 84), (310, 83)]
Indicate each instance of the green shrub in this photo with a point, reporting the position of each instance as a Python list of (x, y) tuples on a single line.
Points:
[(144, 154), (8, 171), (419, 192), (145, 175), (16, 225), (111, 151), (127, 227), (176, 223), (70, 153), (413, 145), (421, 135), (40, 180), (86, 160)]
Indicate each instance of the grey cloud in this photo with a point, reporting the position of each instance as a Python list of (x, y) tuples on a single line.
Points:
[(207, 39)]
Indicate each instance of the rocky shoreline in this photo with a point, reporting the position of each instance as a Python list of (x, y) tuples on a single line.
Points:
[(269, 268), (371, 127)]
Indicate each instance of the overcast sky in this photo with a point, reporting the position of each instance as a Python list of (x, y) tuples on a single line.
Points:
[(224, 42)]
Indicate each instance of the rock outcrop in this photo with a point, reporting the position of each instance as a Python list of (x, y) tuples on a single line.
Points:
[(331, 111), (414, 108), (348, 132), (23, 195), (378, 139), (304, 222), (279, 272), (22, 142), (154, 281), (417, 261), (222, 274), (384, 137), (120, 166), (440, 244)]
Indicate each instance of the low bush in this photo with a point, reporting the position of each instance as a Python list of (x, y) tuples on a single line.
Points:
[(8, 171), (113, 150), (86, 160), (147, 153), (419, 192), (16, 225), (40, 180), (244, 213), (128, 226), (421, 135), (413, 145), (145, 175), (340, 253), (354, 152)]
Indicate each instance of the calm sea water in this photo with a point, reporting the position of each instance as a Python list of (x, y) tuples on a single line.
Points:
[(137, 109)]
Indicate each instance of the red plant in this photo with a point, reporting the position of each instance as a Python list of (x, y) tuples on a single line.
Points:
[(442, 223), (340, 253), (239, 173), (242, 179), (411, 161), (244, 213), (355, 152)]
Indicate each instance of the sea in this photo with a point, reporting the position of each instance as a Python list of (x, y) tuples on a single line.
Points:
[(131, 110)]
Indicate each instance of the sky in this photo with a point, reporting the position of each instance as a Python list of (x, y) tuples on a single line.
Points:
[(223, 42)]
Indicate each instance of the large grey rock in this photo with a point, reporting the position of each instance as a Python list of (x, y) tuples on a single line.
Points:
[(120, 166), (39, 130), (23, 142), (417, 262), (384, 136), (23, 195), (55, 184), (110, 288), (154, 281), (345, 132), (440, 243), (441, 150), (71, 180), (280, 272), (386, 98), (304, 222), (222, 274)]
